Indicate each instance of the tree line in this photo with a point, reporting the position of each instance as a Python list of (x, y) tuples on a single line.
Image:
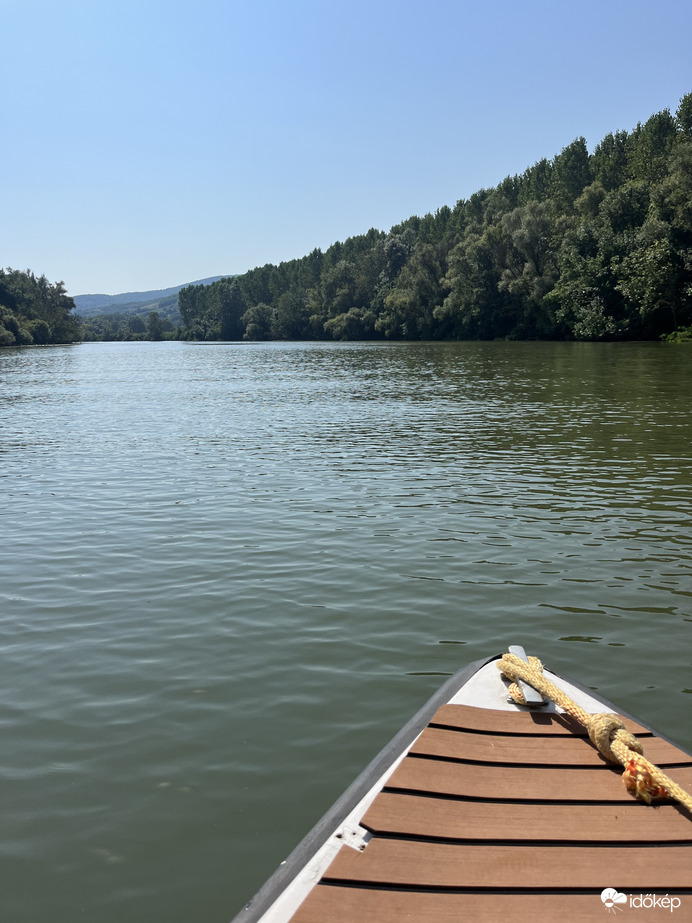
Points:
[(127, 327), (581, 247), (35, 311), (584, 246)]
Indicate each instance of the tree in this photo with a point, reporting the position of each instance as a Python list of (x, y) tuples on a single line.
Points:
[(33, 310), (651, 278), (683, 117), (571, 173), (339, 288), (136, 324), (648, 147), (409, 307), (396, 250), (609, 161), (257, 321), (536, 183), (231, 305), (588, 296), (589, 202), (292, 316), (531, 267), (656, 276), (475, 307), (40, 332), (154, 326), (355, 324), (189, 304)]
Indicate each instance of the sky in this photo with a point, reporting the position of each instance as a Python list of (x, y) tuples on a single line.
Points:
[(150, 143)]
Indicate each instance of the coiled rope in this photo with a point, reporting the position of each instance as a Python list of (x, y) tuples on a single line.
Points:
[(607, 732)]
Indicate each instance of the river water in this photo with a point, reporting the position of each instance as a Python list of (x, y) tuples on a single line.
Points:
[(230, 572)]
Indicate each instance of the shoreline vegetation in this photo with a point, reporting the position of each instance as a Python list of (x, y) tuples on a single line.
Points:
[(581, 247)]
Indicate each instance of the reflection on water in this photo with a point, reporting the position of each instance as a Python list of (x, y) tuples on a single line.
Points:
[(231, 572)]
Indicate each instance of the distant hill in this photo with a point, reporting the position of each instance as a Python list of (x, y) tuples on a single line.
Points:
[(164, 300)]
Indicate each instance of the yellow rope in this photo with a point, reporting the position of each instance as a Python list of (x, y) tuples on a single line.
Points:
[(607, 732)]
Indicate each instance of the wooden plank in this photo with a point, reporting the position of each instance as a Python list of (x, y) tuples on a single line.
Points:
[(517, 783), (339, 905), (344, 905), (413, 815), (554, 751), (470, 718), (446, 865)]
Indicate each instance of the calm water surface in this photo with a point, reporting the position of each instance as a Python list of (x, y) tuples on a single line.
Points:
[(229, 573)]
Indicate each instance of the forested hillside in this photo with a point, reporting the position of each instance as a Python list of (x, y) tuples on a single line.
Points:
[(34, 311), (151, 315), (584, 246)]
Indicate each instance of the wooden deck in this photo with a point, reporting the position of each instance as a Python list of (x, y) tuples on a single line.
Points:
[(497, 815)]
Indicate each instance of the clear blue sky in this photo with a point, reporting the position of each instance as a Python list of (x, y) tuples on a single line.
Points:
[(148, 143)]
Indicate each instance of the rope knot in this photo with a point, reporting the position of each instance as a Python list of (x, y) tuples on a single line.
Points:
[(607, 733), (604, 729)]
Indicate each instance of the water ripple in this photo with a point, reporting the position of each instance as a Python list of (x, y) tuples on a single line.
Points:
[(230, 574)]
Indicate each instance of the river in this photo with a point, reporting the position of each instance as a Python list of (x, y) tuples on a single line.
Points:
[(230, 572)]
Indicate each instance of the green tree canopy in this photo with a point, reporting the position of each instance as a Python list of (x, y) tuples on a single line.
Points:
[(581, 246), (34, 311)]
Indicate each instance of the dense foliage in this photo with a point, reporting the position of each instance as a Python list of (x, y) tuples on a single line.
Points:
[(34, 311), (584, 246), (129, 326)]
